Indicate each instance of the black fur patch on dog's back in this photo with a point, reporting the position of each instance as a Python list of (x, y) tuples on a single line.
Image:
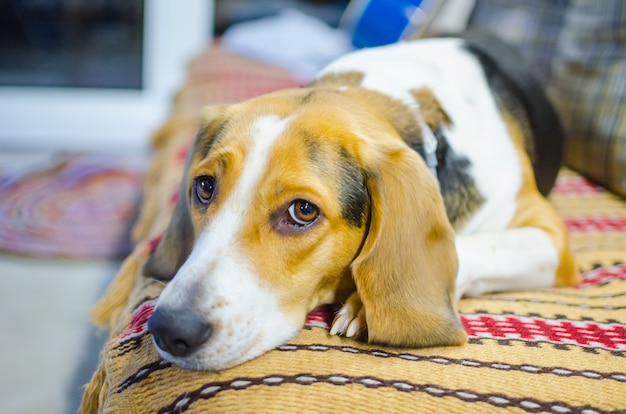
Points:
[(520, 92)]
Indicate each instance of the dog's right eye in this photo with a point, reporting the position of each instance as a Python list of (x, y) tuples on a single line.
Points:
[(204, 187), (302, 213)]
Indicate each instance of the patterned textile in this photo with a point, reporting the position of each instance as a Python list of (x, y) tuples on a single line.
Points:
[(578, 47), (80, 207), (559, 350)]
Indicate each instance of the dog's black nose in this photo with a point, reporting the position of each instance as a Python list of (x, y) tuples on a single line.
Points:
[(178, 332)]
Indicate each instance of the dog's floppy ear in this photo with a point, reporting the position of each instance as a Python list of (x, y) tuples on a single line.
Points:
[(176, 243), (405, 272), (178, 239)]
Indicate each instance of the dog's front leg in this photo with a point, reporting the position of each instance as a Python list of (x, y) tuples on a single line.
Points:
[(520, 258)]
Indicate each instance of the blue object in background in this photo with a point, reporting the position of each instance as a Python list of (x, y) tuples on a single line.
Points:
[(384, 21)]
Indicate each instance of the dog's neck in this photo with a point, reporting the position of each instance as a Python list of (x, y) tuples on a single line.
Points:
[(416, 123)]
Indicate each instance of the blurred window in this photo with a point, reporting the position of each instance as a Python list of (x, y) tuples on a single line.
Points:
[(65, 43)]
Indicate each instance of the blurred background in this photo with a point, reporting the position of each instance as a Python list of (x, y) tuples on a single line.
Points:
[(83, 84)]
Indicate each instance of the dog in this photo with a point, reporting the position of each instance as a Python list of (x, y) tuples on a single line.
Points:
[(399, 180)]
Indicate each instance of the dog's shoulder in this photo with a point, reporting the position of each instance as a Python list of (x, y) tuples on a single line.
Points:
[(443, 86), (481, 105)]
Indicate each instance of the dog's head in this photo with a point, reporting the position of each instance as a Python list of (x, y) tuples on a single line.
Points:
[(289, 201)]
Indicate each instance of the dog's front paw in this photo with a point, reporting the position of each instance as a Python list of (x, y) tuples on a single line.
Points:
[(350, 320)]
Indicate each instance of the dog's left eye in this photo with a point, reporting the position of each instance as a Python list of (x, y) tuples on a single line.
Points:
[(204, 187), (303, 213)]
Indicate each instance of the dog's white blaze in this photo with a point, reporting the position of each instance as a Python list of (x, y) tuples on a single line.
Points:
[(246, 315), (226, 224), (458, 82), (512, 259)]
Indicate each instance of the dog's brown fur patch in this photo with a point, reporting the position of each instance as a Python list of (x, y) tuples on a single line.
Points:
[(432, 111), (336, 80)]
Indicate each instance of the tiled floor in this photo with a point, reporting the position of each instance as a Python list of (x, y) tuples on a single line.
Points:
[(48, 349)]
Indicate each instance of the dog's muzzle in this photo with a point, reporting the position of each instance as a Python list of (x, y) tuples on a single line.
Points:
[(178, 332)]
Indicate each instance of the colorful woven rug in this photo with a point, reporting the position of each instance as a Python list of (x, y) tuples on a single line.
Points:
[(81, 207), (559, 350)]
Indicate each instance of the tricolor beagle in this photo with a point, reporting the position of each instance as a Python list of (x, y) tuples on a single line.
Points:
[(396, 182)]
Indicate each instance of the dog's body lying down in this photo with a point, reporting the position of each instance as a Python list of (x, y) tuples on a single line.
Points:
[(394, 183)]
